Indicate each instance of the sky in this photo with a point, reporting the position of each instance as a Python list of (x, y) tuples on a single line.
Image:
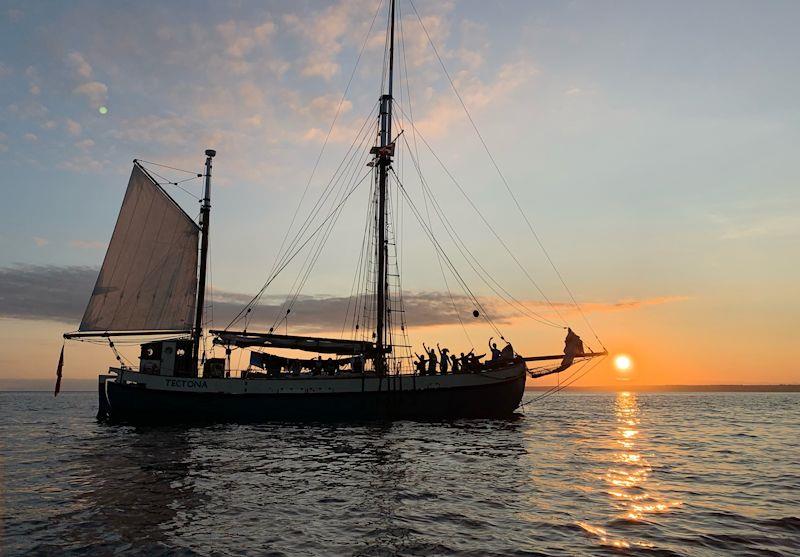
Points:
[(653, 146)]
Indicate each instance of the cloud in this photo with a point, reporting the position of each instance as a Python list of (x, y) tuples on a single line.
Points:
[(5, 70), (151, 129), (60, 294), (326, 32), (762, 227), (78, 63), (240, 39), (14, 15), (85, 144), (40, 242), (73, 127), (94, 91), (478, 95), (628, 304), (30, 137), (762, 218), (83, 164), (45, 292), (83, 244)]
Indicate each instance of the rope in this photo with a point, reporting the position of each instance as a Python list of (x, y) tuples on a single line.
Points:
[(462, 247), (170, 167), (561, 386), (503, 178), (299, 249), (453, 269), (325, 142)]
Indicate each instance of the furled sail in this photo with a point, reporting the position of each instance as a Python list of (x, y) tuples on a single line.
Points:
[(148, 280), (243, 339)]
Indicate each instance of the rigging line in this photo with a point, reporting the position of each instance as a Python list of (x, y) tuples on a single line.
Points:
[(314, 253), (457, 275), (197, 174), (455, 272), (459, 243), (553, 389), (427, 212), (360, 276), (492, 230), (560, 387), (328, 135), (167, 182), (325, 194), (441, 268), (503, 178), (572, 378), (322, 240), (356, 275), (361, 315), (299, 249)]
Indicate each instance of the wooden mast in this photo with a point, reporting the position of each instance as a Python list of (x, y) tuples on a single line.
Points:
[(384, 161), (205, 213)]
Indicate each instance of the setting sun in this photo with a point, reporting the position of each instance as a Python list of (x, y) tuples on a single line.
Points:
[(623, 362)]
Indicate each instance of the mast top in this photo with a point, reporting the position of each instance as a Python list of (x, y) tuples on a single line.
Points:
[(211, 153)]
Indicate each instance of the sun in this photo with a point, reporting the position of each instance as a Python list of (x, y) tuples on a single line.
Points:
[(623, 362)]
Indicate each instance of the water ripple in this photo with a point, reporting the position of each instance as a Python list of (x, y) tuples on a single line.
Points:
[(654, 474)]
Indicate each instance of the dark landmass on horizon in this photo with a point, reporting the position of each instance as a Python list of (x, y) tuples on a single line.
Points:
[(78, 385), (679, 389)]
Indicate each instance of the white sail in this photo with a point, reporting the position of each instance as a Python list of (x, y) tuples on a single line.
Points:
[(148, 280)]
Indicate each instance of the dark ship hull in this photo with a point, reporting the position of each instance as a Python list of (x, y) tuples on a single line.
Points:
[(135, 397)]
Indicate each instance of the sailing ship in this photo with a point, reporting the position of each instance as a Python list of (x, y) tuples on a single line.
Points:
[(152, 283)]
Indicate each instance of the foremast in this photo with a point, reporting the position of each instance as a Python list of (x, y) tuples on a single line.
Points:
[(384, 161), (205, 223)]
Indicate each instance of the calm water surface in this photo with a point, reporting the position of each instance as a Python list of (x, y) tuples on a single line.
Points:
[(618, 473)]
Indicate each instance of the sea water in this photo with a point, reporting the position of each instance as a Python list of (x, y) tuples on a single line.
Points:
[(611, 473)]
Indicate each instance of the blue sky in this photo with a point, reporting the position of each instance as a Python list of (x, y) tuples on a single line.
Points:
[(653, 144)]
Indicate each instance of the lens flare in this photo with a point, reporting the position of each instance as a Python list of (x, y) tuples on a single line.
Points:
[(623, 362)]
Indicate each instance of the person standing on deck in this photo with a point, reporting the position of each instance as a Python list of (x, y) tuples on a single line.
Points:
[(454, 359), (420, 364), (444, 360), (495, 351), (432, 360)]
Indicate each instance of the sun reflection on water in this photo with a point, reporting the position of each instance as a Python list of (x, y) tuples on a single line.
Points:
[(633, 495)]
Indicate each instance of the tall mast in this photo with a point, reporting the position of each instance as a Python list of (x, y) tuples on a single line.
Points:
[(384, 161), (205, 213)]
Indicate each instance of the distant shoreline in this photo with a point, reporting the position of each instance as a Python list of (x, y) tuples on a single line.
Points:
[(84, 385), (679, 389)]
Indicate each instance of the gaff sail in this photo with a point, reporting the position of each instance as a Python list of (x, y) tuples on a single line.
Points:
[(148, 280)]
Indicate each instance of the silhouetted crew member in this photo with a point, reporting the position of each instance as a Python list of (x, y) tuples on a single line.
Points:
[(464, 363), (420, 364), (495, 351), (475, 361), (432, 361), (444, 360), (454, 359), (358, 364)]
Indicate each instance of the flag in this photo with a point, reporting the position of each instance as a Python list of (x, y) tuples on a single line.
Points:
[(58, 372)]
